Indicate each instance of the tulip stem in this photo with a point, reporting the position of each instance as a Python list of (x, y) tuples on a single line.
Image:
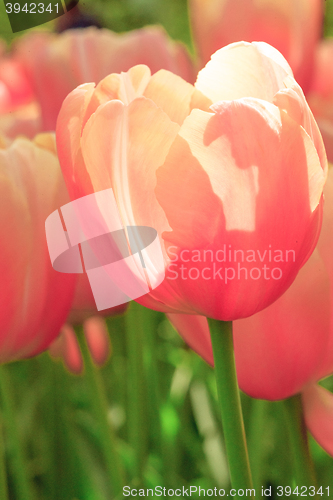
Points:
[(230, 404), (257, 429), (137, 410), (100, 409), (303, 466), (17, 462), (3, 474)]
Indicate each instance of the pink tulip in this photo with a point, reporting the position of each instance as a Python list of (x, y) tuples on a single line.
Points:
[(281, 349), (19, 114), (56, 64), (245, 173), (286, 348), (15, 89), (320, 95), (66, 345), (35, 299), (98, 339), (318, 414), (291, 26), (24, 120)]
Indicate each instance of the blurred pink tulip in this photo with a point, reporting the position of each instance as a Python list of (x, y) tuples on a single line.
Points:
[(66, 345), (19, 114), (24, 120), (245, 173), (286, 348), (318, 414), (56, 64), (320, 95), (281, 349), (98, 339), (15, 89), (291, 26), (35, 299)]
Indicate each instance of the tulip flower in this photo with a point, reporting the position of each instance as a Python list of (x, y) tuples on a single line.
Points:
[(286, 348), (320, 95), (66, 345), (281, 349), (15, 89), (35, 299), (19, 114), (291, 26), (235, 163), (24, 120), (56, 64)]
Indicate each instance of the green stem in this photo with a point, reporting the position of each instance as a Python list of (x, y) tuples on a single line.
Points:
[(99, 404), (256, 442), (3, 474), (62, 465), (137, 407), (303, 466), (150, 323), (230, 405), (17, 461)]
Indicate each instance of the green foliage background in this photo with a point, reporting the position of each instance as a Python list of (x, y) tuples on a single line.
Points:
[(124, 15)]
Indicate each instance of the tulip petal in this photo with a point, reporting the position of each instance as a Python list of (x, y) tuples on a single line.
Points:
[(133, 143), (277, 350), (325, 245), (56, 64), (124, 86), (320, 96), (15, 247), (326, 130), (71, 352), (293, 27), (243, 70), (239, 167), (43, 295), (281, 348), (292, 100), (136, 144), (69, 126), (175, 96), (194, 330), (98, 339), (15, 89), (318, 414), (25, 120)]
